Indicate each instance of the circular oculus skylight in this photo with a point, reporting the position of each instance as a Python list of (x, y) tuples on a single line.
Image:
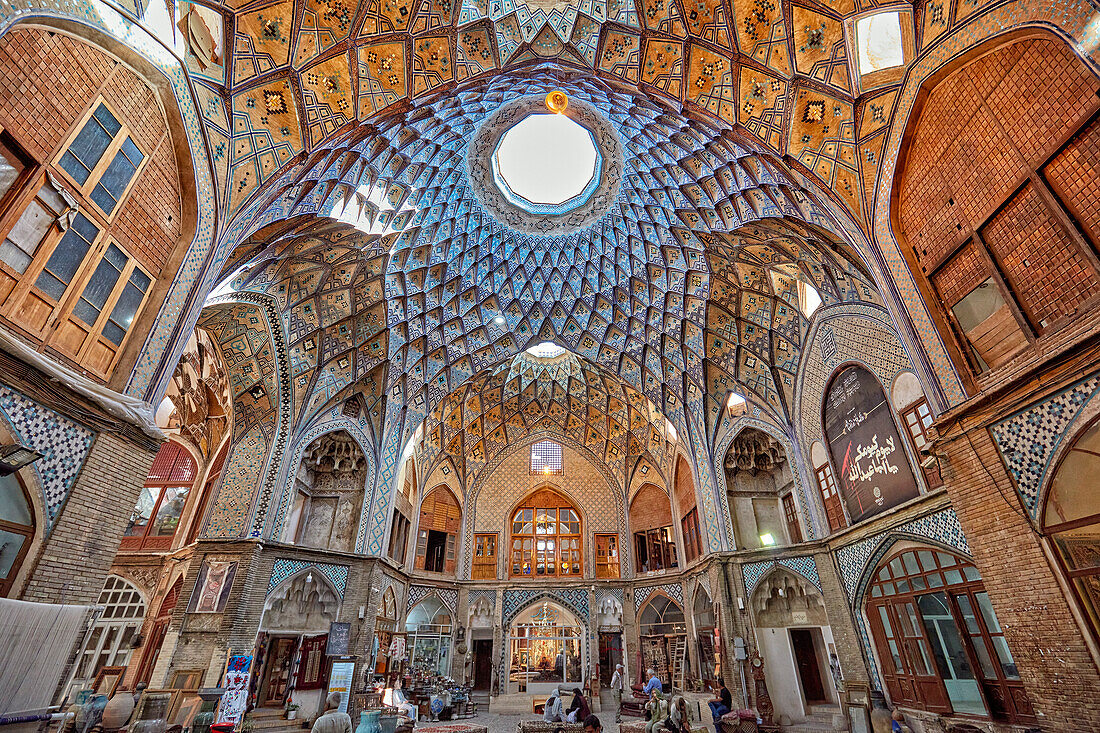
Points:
[(547, 164), (546, 350)]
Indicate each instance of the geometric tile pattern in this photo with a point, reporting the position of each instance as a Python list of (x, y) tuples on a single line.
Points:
[(942, 527), (673, 590), (478, 594), (447, 596), (515, 600), (1028, 439), (805, 566), (286, 567), (63, 444)]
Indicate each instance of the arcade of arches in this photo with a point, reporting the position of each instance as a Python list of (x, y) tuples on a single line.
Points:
[(781, 370)]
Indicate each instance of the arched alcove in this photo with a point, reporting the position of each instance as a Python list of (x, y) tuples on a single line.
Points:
[(329, 483), (654, 537), (662, 634), (546, 648), (760, 486), (305, 603), (428, 626), (437, 531)]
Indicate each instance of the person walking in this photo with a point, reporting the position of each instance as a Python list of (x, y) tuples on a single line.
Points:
[(617, 692), (332, 721)]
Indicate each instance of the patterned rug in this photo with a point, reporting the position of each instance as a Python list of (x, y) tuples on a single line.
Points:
[(450, 728)]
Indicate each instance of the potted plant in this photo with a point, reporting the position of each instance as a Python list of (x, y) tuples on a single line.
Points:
[(292, 710)]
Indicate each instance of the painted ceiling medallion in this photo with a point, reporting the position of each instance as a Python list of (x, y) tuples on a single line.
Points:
[(538, 213)]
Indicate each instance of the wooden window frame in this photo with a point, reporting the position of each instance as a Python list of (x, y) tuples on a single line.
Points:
[(830, 495), (533, 503), (790, 514), (1064, 219), (486, 567), (660, 541), (916, 426), (399, 537), (105, 160), (146, 541), (927, 691), (27, 531), (693, 538), (608, 564)]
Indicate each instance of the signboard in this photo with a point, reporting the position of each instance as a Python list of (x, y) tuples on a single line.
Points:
[(339, 634), (867, 452), (235, 699), (339, 680)]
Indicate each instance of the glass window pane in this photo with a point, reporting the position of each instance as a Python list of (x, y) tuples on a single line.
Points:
[(122, 315), (142, 512), (90, 144), (170, 511), (34, 224), (10, 168), (99, 287), (13, 502), (66, 258), (10, 545), (114, 180)]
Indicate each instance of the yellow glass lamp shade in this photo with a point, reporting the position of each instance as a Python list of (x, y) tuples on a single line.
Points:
[(556, 101)]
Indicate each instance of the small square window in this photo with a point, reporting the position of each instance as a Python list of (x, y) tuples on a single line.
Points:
[(879, 42)]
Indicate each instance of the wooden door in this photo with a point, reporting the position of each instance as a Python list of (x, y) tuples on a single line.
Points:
[(809, 671), (277, 675), (483, 664)]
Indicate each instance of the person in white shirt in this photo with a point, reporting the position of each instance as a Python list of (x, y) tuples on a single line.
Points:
[(399, 701), (617, 692), (333, 721), (551, 712)]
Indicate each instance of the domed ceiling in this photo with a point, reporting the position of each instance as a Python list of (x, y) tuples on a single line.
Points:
[(298, 73), (687, 286)]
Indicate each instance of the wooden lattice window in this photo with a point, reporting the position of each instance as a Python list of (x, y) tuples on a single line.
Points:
[(546, 458), (607, 556), (546, 537), (437, 532), (160, 506), (485, 557)]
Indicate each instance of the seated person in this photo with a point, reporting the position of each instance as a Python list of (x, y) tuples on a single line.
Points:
[(578, 710), (679, 719), (721, 704), (551, 711), (653, 684), (656, 712), (399, 701)]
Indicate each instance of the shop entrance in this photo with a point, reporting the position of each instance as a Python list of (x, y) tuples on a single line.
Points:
[(275, 679), (483, 664), (809, 670), (611, 653)]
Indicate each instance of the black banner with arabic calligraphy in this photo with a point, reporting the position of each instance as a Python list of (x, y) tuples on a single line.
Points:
[(873, 472)]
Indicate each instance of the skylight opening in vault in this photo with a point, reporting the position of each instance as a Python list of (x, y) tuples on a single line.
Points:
[(546, 350), (809, 299), (546, 163), (878, 38)]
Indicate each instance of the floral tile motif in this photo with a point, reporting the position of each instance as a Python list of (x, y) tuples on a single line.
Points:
[(324, 24), (822, 138), (706, 19), (475, 52), (763, 100), (762, 33), (328, 100), (262, 41), (819, 50), (619, 55)]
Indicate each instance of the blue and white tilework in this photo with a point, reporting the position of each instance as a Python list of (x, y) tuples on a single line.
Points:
[(64, 446), (672, 590), (754, 572), (942, 527), (1029, 439), (447, 596), (616, 593), (478, 594), (575, 599), (287, 567)]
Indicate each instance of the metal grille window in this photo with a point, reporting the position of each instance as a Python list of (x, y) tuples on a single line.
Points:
[(546, 458)]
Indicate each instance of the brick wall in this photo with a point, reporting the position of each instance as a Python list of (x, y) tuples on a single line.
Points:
[(48, 81), (981, 132), (685, 487), (649, 509), (77, 555), (1055, 665)]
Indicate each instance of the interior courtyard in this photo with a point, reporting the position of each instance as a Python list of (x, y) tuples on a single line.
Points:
[(479, 347)]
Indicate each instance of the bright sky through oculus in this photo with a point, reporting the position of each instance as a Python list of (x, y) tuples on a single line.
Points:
[(879, 40), (546, 159), (546, 350)]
